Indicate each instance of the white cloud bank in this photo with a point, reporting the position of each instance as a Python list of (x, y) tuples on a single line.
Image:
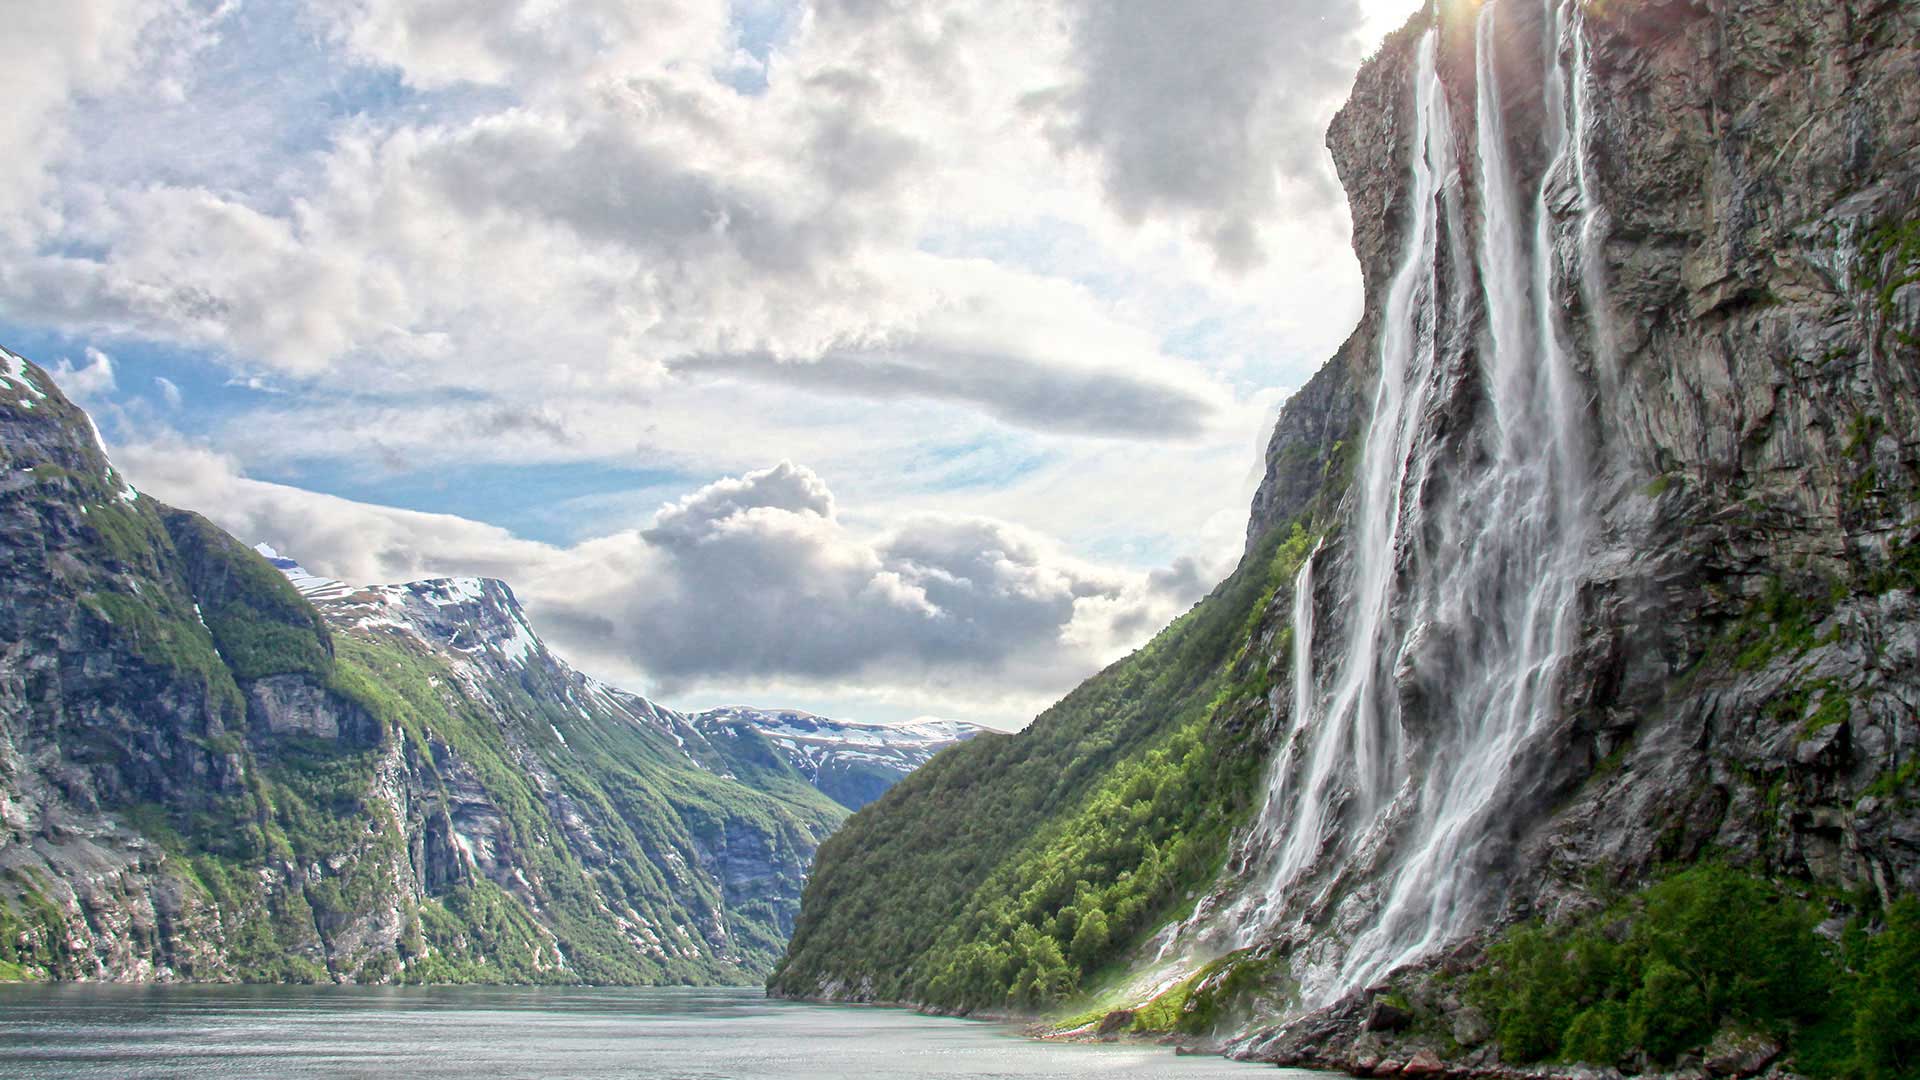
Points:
[(1077, 247), (749, 581)]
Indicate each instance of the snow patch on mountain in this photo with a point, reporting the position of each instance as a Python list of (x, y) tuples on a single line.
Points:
[(851, 761), (14, 372), (311, 585)]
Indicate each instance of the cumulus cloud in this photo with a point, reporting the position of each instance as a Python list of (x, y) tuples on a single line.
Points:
[(91, 381), (750, 577), (50, 54), (756, 575)]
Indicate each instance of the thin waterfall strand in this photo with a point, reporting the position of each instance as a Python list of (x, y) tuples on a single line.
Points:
[(1593, 216), (1303, 643)]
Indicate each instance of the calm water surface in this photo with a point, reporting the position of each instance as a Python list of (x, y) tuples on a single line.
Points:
[(483, 1033)]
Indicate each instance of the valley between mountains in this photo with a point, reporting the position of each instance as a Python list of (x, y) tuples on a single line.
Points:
[(214, 766)]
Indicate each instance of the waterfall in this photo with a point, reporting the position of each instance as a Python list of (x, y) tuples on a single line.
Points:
[(1303, 642), (1571, 26), (1350, 750), (1389, 810), (1498, 601)]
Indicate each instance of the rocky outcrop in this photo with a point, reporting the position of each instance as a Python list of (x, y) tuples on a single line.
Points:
[(1313, 442), (281, 705)]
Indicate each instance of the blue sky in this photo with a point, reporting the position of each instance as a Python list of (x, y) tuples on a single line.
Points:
[(884, 360)]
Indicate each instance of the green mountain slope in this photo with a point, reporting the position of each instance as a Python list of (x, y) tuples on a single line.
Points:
[(204, 777), (1010, 870)]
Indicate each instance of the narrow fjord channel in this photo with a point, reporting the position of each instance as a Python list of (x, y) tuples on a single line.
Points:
[(527, 1034)]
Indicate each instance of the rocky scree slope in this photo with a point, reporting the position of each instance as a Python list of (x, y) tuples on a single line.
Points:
[(1702, 217), (202, 777)]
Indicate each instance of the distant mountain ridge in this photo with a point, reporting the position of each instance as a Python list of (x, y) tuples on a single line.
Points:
[(852, 763)]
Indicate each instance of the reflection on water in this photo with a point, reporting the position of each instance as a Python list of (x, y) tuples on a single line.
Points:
[(486, 1032)]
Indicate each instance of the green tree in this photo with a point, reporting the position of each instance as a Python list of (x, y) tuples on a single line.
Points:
[(1090, 940), (1886, 1021)]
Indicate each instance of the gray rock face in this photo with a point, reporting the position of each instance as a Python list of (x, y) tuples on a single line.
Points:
[(1312, 440), (281, 705), (1747, 681)]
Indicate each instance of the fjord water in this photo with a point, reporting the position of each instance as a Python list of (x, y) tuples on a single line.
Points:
[(510, 1032)]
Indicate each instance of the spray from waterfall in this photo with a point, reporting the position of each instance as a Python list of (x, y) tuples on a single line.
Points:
[(1412, 746)]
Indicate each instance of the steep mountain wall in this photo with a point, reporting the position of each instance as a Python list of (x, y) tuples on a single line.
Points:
[(203, 777), (1591, 557), (1729, 229)]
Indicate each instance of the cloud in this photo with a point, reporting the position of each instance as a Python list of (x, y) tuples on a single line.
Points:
[(785, 488), (259, 384), (92, 382), (169, 391), (1014, 389), (52, 53), (964, 258), (186, 264), (749, 579), (353, 541), (614, 210), (1208, 109), (525, 43), (755, 577)]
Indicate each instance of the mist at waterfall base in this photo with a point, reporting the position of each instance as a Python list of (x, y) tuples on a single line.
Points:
[(1429, 635)]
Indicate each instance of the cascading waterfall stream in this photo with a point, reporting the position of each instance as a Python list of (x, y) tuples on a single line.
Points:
[(1353, 746), (1466, 546), (1303, 641), (1571, 24), (1497, 600)]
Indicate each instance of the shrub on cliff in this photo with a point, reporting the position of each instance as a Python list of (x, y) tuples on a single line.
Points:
[(1707, 950)]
